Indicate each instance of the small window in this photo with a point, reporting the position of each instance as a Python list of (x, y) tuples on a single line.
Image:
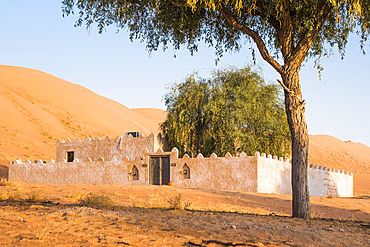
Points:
[(70, 156), (185, 172), (134, 134), (134, 174)]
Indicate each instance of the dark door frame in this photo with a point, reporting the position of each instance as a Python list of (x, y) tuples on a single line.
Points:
[(162, 176)]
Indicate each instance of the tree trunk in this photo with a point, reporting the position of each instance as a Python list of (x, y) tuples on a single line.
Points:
[(294, 107)]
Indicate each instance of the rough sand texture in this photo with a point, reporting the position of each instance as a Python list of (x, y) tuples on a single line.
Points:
[(140, 218)]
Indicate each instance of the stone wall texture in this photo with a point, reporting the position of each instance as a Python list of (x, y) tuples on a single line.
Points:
[(108, 148), (111, 161), (218, 173)]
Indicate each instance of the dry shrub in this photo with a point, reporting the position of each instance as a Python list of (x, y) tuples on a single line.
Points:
[(14, 183), (35, 196), (99, 201), (175, 203), (172, 203), (10, 194), (78, 195), (4, 182)]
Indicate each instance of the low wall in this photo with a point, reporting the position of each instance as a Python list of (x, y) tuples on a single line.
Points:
[(107, 172), (274, 175), (217, 173), (324, 181), (256, 173), (108, 148)]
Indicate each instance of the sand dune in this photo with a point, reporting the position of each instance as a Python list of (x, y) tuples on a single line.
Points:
[(37, 109), (331, 152)]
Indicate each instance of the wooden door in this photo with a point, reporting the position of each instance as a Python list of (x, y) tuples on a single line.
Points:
[(159, 170)]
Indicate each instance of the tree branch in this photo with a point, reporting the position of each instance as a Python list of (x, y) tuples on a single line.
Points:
[(300, 51), (285, 87), (254, 35)]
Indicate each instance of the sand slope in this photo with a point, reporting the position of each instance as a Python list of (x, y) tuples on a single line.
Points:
[(37, 109), (354, 157)]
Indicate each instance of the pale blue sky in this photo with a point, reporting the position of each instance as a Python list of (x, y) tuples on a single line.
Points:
[(33, 34)]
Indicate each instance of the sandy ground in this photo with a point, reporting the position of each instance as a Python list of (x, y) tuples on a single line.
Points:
[(40, 215)]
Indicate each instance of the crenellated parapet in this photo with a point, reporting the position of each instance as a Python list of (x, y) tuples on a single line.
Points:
[(107, 148), (80, 172), (325, 181), (328, 169), (130, 160)]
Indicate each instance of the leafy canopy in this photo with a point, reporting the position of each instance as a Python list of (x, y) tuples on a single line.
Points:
[(280, 28), (235, 111)]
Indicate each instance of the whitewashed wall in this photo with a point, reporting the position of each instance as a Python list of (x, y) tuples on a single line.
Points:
[(256, 173), (324, 181), (107, 172), (274, 175)]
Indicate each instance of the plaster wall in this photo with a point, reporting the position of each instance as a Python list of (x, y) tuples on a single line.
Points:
[(108, 172), (324, 181), (217, 173), (274, 175), (256, 173), (108, 148)]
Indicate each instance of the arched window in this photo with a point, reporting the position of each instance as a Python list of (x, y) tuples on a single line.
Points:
[(134, 174), (185, 172)]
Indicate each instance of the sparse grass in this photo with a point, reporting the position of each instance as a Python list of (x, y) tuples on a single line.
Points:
[(10, 194), (157, 201), (174, 203), (15, 183), (35, 195), (94, 200), (4, 182), (78, 195)]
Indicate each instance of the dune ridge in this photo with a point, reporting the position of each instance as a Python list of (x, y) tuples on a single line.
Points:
[(38, 108)]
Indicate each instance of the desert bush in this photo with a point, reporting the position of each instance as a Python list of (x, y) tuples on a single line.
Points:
[(93, 200), (10, 194), (78, 195), (4, 182), (177, 204), (35, 195), (13, 183)]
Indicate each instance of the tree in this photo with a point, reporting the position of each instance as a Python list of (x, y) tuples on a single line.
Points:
[(235, 111), (285, 33)]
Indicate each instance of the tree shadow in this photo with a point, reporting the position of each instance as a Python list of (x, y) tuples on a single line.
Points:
[(273, 204)]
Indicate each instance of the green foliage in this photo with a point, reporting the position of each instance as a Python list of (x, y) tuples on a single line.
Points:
[(235, 111), (279, 23)]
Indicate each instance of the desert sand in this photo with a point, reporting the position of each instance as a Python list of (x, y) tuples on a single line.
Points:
[(60, 215), (37, 109)]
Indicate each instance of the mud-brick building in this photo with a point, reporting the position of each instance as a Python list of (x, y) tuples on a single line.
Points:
[(141, 160)]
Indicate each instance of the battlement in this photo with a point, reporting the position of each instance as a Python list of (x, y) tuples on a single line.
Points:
[(108, 148), (132, 160), (324, 169)]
